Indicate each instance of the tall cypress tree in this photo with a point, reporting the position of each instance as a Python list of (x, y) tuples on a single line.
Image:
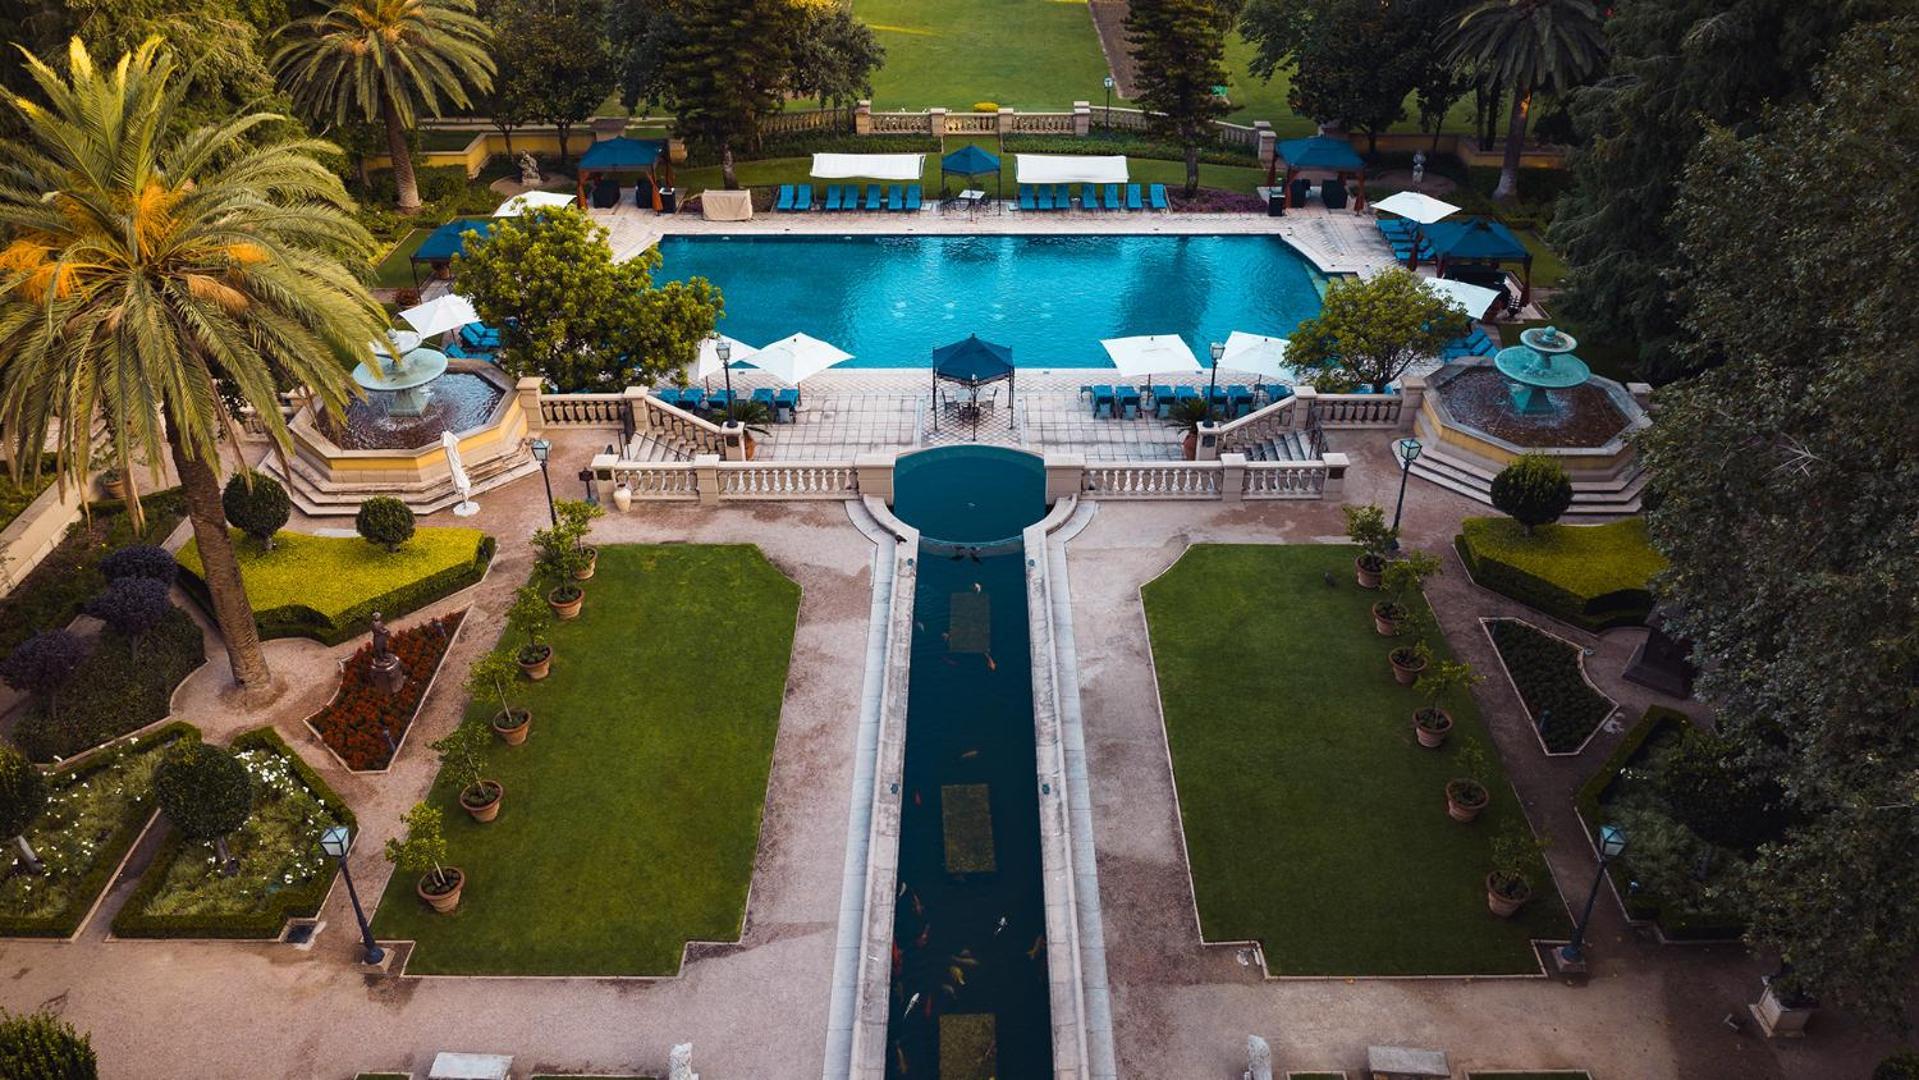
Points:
[(728, 69), (1179, 54)]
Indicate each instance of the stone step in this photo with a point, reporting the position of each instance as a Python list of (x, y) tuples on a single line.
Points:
[(1617, 498), (317, 497)]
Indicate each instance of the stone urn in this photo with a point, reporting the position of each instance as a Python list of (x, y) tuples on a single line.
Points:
[(623, 498)]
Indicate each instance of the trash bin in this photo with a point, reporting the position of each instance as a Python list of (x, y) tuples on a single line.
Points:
[(1275, 201), (669, 200)]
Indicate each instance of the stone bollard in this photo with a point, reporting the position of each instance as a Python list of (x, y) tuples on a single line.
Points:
[(936, 122), (1082, 119), (1336, 465), (706, 475), (874, 473), (1008, 120), (863, 118), (1268, 143), (1232, 477), (603, 483), (1207, 446), (733, 438), (1065, 476), (1308, 398), (1412, 392), (527, 389)]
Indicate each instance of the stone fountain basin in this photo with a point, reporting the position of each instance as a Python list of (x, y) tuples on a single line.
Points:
[(1468, 406), (499, 432)]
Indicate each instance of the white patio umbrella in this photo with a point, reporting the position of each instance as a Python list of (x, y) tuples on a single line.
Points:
[(1423, 209), (466, 507), (440, 314), (528, 201), (1257, 355), (792, 360), (709, 364), (1474, 298), (1150, 354)]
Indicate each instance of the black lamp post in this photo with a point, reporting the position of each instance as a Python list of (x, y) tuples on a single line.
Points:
[(1108, 116), (542, 449), (336, 841), (724, 350), (1407, 450), (1219, 353), (1612, 844)]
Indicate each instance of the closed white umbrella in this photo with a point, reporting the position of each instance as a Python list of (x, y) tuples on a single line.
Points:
[(528, 201), (466, 507), (1474, 298), (440, 314), (1150, 354), (1416, 207), (1256, 354), (792, 360)]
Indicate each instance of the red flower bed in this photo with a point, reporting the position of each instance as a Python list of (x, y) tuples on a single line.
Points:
[(363, 723)]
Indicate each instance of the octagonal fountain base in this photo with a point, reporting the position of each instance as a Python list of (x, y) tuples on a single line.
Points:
[(1471, 431), (335, 465)]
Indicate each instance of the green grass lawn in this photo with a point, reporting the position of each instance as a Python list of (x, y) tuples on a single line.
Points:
[(1026, 54), (1314, 821), (633, 809), (334, 574), (1549, 267), (396, 270)]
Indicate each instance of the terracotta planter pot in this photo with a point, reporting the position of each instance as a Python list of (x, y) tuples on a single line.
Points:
[(114, 487), (566, 609), (445, 901), (1387, 625), (752, 446), (1364, 577), (1190, 445), (1432, 734), (1404, 673), (489, 809), (592, 563), (513, 734), (1503, 905), (1461, 810), (538, 669)]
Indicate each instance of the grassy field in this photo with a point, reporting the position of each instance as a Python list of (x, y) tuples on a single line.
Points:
[(633, 809), (1027, 54), (332, 574), (1314, 821), (396, 270)]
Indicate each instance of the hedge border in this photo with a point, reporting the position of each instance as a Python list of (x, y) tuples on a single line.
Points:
[(103, 641), (300, 621), (299, 903), (1706, 928), (124, 838), (1606, 611)]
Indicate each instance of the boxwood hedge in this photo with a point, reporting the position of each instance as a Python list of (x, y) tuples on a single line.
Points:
[(1546, 672), (1592, 576)]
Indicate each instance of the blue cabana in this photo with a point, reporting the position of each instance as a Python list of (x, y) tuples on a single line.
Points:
[(445, 242), (1320, 153), (972, 363), (1480, 240), (617, 155), (970, 161)]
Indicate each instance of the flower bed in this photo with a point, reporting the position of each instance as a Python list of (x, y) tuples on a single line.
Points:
[(1546, 672), (115, 691), (94, 813), (282, 875), (364, 724)]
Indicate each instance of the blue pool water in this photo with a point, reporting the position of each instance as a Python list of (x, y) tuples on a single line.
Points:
[(890, 300)]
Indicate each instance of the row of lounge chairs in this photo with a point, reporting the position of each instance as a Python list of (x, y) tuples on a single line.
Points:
[(895, 198), (783, 404), (1092, 197), (1402, 234), (1128, 402), (1473, 344)]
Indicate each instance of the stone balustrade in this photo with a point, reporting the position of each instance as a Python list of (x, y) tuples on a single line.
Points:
[(1271, 422), (1358, 410), (788, 480), (582, 410), (1152, 480)]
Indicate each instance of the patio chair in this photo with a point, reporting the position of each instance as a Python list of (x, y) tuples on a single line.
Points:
[(785, 201), (803, 197), (1026, 197), (1062, 196), (875, 198), (1043, 196), (1302, 188), (719, 400), (789, 398), (1112, 197), (1185, 393), (913, 198), (1132, 197), (669, 395), (1089, 197), (1333, 194), (1156, 197), (1128, 402), (764, 396), (1103, 398), (895, 198), (1162, 399), (832, 197), (691, 397), (1239, 399)]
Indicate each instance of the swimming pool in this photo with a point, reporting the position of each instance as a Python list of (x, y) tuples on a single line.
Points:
[(890, 300)]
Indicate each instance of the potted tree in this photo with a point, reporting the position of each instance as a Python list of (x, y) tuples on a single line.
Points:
[(1784, 1007), (1187, 414), (1409, 660), (558, 560), (461, 761), (576, 517), (1467, 794), (533, 616), (1403, 579), (113, 483), (490, 674), (1431, 721), (423, 851), (1366, 527), (1515, 857), (753, 416)]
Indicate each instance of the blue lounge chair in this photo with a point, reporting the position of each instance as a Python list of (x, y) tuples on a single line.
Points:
[(912, 198), (896, 198), (1112, 197), (1062, 197), (785, 202), (1186, 393), (1043, 196), (718, 400), (1239, 399), (1089, 196), (1132, 197), (874, 197), (691, 397), (1103, 398), (788, 399), (803, 197), (1162, 399), (1156, 196), (1026, 197), (832, 197), (1128, 398), (670, 395)]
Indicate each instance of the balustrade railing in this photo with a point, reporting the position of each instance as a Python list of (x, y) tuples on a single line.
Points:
[(678, 429), (792, 120), (1358, 410), (900, 123), (1272, 422), (1152, 480), (582, 410), (1043, 123), (658, 481), (972, 123), (1284, 480), (787, 480)]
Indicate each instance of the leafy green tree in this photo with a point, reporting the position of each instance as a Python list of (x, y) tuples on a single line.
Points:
[(570, 314), (1353, 62), (1678, 66), (555, 64), (463, 759), (257, 505), (44, 664), (1712, 791), (643, 34), (386, 60), (423, 849), (835, 56), (133, 607), (206, 793), (1529, 46), (491, 674), (385, 521), (728, 68), (1784, 491), (1372, 329), (23, 795), (1534, 490), (1179, 54), (128, 286), (41, 1046)]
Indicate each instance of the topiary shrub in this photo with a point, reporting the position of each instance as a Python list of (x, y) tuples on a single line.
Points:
[(132, 607), (23, 794), (1533, 491), (41, 1046), (140, 560), (385, 521), (205, 792), (43, 664), (257, 505)]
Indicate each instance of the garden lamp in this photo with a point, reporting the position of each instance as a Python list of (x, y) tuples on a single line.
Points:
[(1108, 81), (1407, 451), (1219, 353), (1611, 845), (724, 350), (337, 841), (542, 449)]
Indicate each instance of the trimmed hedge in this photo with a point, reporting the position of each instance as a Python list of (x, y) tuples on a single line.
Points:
[(70, 575), (113, 847), (1595, 577), (1546, 672), (1658, 724), (115, 692), (297, 902), (280, 616)]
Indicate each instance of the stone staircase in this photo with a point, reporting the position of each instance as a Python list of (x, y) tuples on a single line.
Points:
[(644, 447), (317, 496), (1283, 446), (1618, 496)]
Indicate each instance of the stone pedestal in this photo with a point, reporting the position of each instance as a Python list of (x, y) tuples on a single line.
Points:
[(1206, 448), (1082, 119), (389, 674), (706, 473), (527, 389), (1232, 477), (1779, 1019), (1336, 466), (1065, 476), (863, 118), (875, 473)]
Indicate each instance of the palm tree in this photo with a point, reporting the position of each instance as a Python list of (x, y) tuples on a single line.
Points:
[(1528, 46), (153, 271), (381, 59)]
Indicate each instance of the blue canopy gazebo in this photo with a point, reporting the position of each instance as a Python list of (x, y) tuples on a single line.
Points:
[(970, 161), (618, 155), (973, 363), (438, 249), (1320, 153), (1479, 241)]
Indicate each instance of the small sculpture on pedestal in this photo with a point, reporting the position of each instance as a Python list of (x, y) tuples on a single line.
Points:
[(387, 671), (679, 1063), (529, 170)]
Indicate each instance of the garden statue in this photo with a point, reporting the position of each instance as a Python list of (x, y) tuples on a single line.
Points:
[(529, 169), (387, 671), (679, 1063), (1259, 1059), (1419, 166)]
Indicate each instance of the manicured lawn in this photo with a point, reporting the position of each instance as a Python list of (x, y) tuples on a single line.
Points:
[(396, 270), (1314, 821), (1585, 560), (1026, 54), (632, 811)]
